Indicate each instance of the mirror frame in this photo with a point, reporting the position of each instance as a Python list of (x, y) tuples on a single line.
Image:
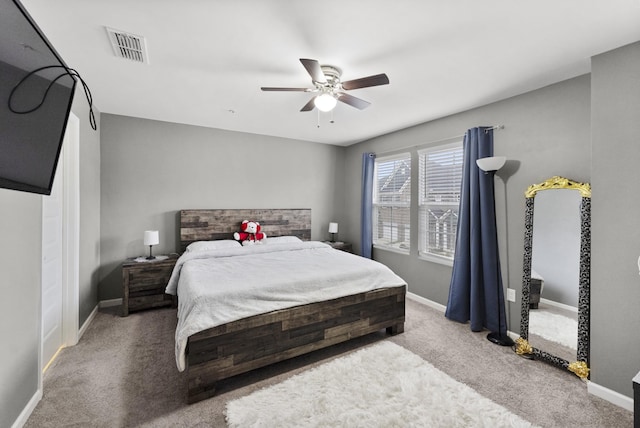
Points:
[(581, 366)]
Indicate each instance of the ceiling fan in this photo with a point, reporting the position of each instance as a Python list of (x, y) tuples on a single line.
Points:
[(329, 88)]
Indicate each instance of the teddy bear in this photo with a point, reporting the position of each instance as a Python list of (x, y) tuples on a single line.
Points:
[(250, 233)]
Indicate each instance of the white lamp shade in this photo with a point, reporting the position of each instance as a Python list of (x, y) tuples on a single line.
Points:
[(151, 237), (493, 163), (333, 227), (325, 102)]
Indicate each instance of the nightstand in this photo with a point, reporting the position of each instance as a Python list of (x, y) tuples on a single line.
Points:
[(144, 283), (339, 245)]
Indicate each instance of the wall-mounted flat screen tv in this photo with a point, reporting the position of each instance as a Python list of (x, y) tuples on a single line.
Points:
[(36, 92)]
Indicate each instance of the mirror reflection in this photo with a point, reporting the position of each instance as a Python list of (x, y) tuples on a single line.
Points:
[(556, 274)]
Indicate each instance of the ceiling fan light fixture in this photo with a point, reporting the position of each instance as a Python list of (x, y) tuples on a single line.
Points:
[(329, 89), (325, 102)]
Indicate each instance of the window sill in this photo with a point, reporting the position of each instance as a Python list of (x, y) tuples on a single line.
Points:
[(391, 249), (436, 259)]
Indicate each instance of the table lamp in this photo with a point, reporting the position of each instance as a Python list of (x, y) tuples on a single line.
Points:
[(151, 238), (333, 229)]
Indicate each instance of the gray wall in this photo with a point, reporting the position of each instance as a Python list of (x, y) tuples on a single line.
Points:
[(615, 296), (89, 208), (556, 237), (20, 255), (585, 129), (20, 264), (546, 133), (151, 170), (128, 170)]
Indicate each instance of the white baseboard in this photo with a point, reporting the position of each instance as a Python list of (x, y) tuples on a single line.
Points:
[(513, 335), (94, 312), (28, 409), (442, 308), (426, 302), (610, 395), (559, 305), (87, 322)]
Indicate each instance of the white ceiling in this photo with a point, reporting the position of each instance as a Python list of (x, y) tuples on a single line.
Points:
[(209, 58)]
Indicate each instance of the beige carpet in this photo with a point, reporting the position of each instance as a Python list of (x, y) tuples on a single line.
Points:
[(123, 374)]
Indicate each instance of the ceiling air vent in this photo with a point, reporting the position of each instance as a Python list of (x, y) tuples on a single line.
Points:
[(128, 46)]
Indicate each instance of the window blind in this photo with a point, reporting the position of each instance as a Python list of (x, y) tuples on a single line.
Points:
[(392, 202), (440, 176)]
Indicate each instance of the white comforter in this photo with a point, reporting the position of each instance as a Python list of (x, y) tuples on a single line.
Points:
[(219, 286)]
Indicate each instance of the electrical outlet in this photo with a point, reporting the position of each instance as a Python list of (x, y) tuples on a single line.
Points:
[(511, 294)]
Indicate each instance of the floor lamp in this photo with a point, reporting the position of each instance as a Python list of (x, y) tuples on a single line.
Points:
[(490, 165)]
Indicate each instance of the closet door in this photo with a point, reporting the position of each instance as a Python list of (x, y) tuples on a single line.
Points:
[(52, 267)]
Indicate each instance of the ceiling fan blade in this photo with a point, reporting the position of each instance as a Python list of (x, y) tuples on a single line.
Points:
[(353, 101), (365, 82), (314, 70), (309, 106), (265, 88)]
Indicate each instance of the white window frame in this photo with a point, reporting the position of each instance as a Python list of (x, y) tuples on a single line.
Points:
[(402, 247), (424, 202)]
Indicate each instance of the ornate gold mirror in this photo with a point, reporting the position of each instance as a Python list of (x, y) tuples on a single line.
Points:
[(554, 323)]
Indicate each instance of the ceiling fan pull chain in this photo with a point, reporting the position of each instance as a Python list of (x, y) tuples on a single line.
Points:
[(318, 125)]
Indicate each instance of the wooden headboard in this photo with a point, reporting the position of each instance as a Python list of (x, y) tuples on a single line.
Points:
[(209, 225)]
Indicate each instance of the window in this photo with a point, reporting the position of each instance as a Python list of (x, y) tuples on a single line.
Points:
[(392, 202), (440, 176)]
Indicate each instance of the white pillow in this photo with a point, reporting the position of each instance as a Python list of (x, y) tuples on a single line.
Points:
[(213, 245), (283, 240)]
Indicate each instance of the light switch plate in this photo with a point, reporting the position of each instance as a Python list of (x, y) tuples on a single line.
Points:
[(511, 294)]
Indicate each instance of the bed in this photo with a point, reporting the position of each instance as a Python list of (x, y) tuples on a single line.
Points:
[(269, 325)]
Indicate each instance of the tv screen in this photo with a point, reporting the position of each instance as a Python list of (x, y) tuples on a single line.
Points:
[(36, 92)]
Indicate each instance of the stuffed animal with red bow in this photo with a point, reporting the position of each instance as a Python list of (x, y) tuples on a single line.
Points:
[(250, 233)]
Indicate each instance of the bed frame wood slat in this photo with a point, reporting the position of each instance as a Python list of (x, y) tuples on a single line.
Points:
[(214, 357), (209, 225)]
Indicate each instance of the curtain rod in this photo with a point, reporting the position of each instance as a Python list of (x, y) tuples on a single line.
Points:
[(494, 128), (415, 146)]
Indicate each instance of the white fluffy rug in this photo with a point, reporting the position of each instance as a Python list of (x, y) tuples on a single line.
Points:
[(554, 327), (383, 385)]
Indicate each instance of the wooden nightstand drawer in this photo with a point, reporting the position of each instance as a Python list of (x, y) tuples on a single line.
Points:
[(144, 284), (146, 278), (139, 302)]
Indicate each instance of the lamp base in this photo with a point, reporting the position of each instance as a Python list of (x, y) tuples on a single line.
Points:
[(499, 339), (151, 256)]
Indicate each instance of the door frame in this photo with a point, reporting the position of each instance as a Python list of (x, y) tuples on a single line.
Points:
[(70, 157), (71, 233)]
